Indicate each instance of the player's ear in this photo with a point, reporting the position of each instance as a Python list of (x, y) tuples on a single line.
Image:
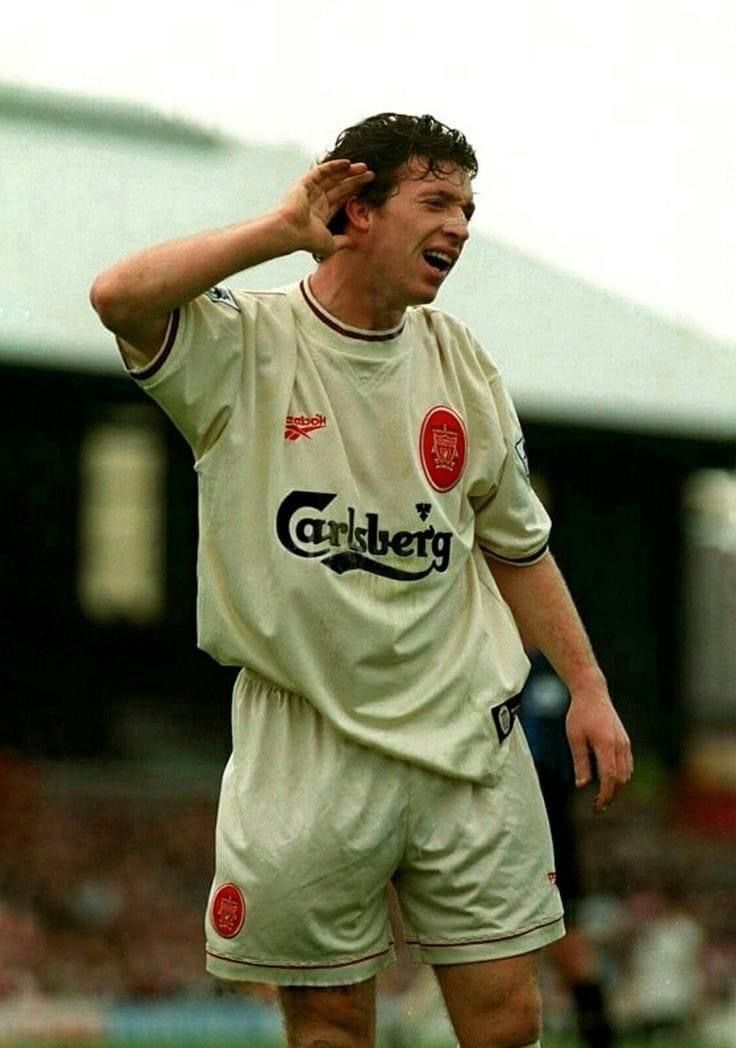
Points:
[(359, 213)]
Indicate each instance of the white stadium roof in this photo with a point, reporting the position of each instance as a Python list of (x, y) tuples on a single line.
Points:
[(83, 183)]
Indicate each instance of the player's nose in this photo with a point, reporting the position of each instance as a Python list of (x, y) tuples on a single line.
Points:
[(456, 226)]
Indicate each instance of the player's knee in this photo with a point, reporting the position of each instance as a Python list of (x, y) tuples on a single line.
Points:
[(494, 1004), (515, 1022), (340, 1017), (524, 1017)]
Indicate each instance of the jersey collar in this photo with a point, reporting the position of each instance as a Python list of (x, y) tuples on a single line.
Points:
[(360, 334)]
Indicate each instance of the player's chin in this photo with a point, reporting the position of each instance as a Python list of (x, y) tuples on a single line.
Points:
[(423, 295)]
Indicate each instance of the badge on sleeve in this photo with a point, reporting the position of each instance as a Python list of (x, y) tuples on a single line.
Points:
[(222, 296)]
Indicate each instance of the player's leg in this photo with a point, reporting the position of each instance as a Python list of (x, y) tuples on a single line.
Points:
[(478, 897), (330, 1017), (493, 1004), (301, 864)]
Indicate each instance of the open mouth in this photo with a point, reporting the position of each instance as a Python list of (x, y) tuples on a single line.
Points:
[(439, 261)]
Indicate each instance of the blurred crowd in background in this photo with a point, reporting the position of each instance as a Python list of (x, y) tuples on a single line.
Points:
[(102, 895)]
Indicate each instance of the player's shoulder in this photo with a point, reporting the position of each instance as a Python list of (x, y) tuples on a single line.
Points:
[(434, 317), (246, 300), (453, 331)]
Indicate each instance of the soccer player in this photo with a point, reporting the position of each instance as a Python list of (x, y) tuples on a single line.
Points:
[(358, 460)]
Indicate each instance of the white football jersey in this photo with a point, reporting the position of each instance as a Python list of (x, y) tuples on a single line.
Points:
[(349, 483)]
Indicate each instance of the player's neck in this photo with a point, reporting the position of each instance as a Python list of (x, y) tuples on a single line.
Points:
[(350, 295)]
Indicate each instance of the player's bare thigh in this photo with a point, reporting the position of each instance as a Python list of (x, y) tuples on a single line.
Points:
[(339, 1016), (493, 1004)]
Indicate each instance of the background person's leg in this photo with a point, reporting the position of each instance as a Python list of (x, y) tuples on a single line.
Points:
[(493, 1004), (330, 1016)]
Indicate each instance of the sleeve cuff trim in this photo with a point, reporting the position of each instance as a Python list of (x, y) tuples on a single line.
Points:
[(518, 561), (144, 373)]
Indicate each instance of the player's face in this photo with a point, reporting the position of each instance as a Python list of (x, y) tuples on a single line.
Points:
[(418, 234)]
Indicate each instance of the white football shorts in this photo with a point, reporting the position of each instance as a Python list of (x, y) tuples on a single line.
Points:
[(312, 826)]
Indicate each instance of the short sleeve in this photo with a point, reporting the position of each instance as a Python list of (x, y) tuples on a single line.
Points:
[(196, 376), (511, 523)]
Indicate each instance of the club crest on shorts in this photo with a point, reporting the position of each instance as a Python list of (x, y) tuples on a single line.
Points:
[(443, 445), (228, 911)]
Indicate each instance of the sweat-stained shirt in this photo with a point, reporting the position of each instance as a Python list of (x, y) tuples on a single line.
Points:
[(350, 482)]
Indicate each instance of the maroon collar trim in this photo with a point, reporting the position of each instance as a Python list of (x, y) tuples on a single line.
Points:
[(357, 333)]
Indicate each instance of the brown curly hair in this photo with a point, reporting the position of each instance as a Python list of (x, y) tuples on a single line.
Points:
[(387, 141)]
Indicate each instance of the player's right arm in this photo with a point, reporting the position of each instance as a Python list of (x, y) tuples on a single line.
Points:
[(135, 298)]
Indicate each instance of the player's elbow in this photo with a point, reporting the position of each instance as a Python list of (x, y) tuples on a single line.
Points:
[(109, 302)]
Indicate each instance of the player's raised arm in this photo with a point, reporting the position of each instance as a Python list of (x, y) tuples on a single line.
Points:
[(134, 298)]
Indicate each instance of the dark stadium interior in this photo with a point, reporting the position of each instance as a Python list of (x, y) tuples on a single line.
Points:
[(616, 501)]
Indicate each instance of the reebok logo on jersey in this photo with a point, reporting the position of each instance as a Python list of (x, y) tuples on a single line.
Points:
[(302, 425), (361, 543)]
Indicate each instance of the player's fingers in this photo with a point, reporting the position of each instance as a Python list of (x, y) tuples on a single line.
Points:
[(581, 761), (624, 759), (329, 168), (341, 193), (319, 180), (607, 788), (614, 771), (352, 184), (333, 172)]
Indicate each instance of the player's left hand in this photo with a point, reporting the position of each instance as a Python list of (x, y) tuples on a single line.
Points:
[(599, 745)]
